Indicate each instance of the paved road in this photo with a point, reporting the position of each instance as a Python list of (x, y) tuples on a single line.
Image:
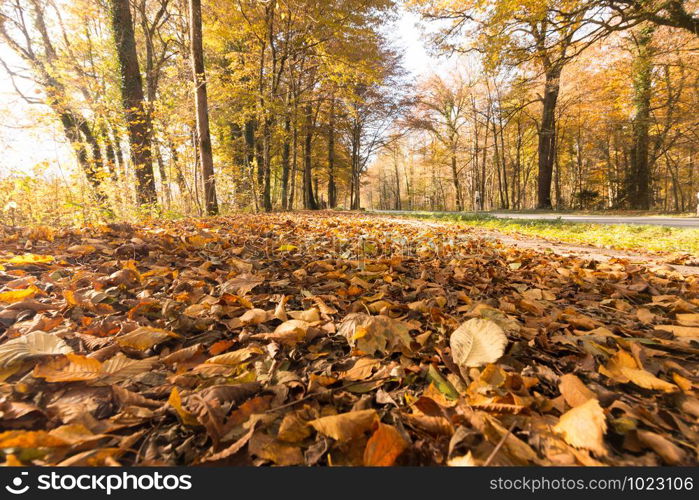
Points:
[(688, 222)]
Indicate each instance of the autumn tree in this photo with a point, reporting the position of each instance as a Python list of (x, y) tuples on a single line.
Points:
[(137, 119), (202, 108)]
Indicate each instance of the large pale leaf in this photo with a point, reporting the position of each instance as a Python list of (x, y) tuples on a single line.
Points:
[(477, 342), (584, 427), (33, 345)]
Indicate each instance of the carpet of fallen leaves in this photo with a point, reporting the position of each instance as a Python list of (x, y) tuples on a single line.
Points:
[(337, 339)]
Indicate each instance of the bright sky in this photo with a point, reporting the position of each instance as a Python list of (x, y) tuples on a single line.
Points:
[(29, 138)]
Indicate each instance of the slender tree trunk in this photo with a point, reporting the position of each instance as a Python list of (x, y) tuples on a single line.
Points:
[(294, 166), (332, 191), (457, 184), (137, 120), (202, 109), (547, 137), (286, 160), (266, 164), (309, 201), (398, 203)]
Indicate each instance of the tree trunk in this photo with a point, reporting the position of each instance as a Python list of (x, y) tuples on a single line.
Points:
[(457, 184), (202, 109), (266, 165), (309, 201), (332, 191), (137, 120), (286, 161), (639, 180), (547, 137)]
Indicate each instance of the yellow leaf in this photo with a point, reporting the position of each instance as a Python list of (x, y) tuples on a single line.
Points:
[(19, 295), (584, 427), (287, 248), (30, 258), (186, 417), (647, 380)]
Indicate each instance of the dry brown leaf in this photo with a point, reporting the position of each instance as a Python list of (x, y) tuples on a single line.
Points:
[(370, 334), (574, 391), (345, 426), (145, 337), (668, 451)]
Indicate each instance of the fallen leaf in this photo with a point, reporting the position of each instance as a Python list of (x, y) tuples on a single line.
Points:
[(145, 337), (574, 391), (584, 427), (477, 342), (384, 446), (33, 345), (345, 426)]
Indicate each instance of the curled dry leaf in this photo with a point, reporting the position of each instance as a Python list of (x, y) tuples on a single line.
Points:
[(477, 342)]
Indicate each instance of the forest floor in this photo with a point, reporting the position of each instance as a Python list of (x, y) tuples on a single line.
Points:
[(338, 339), (678, 243)]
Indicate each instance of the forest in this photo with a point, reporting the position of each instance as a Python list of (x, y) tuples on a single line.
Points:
[(260, 106), (280, 233)]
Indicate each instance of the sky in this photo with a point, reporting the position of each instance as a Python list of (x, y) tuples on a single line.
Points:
[(29, 137)]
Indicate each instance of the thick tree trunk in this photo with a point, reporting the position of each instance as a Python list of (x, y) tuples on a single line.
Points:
[(137, 119), (639, 180), (547, 138), (202, 109)]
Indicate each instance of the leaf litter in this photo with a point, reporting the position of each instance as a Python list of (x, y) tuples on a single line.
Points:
[(337, 339)]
